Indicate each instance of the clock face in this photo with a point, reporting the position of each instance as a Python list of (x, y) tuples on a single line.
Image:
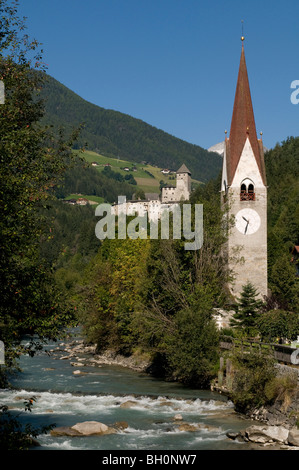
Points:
[(247, 221)]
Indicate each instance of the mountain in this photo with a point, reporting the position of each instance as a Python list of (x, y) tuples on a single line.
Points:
[(119, 135)]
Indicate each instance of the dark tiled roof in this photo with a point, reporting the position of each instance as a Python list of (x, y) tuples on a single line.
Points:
[(184, 169)]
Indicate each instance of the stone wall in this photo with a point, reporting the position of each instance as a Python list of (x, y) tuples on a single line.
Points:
[(283, 369), (284, 412)]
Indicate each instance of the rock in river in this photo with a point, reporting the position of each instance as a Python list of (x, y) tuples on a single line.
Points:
[(265, 434), (90, 428), (87, 428)]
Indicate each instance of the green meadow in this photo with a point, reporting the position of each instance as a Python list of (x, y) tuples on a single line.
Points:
[(148, 177)]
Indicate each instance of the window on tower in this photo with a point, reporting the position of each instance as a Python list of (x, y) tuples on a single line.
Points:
[(247, 191), (243, 191)]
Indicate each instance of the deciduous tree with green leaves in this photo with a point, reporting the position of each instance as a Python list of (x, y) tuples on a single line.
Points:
[(32, 162), (277, 324)]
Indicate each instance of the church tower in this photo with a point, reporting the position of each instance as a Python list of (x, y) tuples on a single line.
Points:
[(244, 189)]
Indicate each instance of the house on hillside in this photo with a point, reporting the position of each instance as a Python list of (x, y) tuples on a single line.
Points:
[(82, 201), (72, 202)]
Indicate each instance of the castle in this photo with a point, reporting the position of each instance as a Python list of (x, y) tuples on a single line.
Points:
[(170, 197)]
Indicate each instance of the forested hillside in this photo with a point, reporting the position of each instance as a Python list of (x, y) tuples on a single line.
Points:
[(114, 134), (82, 178), (282, 165)]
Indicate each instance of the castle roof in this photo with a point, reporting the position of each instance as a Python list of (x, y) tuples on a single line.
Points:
[(184, 169), (243, 125)]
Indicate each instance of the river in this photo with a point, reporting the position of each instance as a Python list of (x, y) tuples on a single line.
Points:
[(100, 394)]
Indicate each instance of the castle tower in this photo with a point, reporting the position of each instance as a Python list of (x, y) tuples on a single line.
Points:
[(182, 190), (183, 183), (244, 189)]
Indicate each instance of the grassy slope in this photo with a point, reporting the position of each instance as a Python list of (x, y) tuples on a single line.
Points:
[(144, 180)]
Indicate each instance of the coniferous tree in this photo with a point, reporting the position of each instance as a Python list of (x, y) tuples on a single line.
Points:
[(248, 309)]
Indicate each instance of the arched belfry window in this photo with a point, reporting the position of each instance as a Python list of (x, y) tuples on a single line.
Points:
[(247, 190), (243, 191)]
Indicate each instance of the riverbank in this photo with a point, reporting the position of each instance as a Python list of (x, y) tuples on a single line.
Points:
[(81, 354)]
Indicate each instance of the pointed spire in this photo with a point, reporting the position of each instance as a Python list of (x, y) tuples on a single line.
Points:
[(243, 123)]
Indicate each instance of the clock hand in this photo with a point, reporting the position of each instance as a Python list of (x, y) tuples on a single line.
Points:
[(244, 219), (246, 227)]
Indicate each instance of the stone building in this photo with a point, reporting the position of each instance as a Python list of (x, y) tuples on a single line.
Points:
[(182, 190)]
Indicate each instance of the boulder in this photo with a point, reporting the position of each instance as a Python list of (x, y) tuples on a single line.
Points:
[(208, 427), (293, 437), (121, 425), (91, 428), (178, 417), (266, 434), (188, 427), (78, 372), (128, 404), (87, 428), (232, 435), (64, 431), (166, 403)]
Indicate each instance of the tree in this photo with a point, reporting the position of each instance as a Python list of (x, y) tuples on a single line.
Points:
[(278, 324), (114, 285), (252, 373), (32, 163), (248, 309), (282, 164), (285, 284), (140, 194), (192, 350), (16, 436)]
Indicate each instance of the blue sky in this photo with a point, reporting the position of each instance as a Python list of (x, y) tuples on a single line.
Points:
[(174, 63)]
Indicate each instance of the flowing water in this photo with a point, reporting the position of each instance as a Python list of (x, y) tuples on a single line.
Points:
[(102, 394)]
